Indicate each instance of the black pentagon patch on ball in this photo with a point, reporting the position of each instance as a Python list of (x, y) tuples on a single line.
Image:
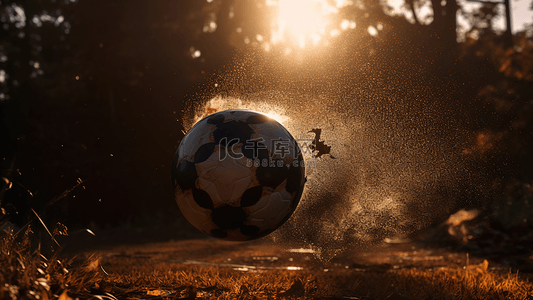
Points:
[(255, 150), (216, 119), (203, 153), (202, 198), (233, 131), (251, 196), (272, 175), (185, 175), (219, 233), (249, 230), (228, 217), (258, 119)]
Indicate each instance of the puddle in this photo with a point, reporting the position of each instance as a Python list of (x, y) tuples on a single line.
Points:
[(237, 267), (302, 250), (265, 258), (424, 258)]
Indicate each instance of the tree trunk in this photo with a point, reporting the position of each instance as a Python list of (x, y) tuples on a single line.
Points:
[(451, 21), (508, 35), (444, 25)]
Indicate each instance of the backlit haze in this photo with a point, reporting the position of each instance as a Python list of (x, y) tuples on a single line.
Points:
[(397, 141), (386, 178)]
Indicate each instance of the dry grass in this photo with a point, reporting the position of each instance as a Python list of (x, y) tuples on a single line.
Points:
[(463, 284), (26, 274), (222, 283)]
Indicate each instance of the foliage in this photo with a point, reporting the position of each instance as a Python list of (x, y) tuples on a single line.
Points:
[(28, 274), (504, 103), (505, 92)]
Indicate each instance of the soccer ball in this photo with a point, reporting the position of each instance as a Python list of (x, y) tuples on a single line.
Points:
[(238, 175)]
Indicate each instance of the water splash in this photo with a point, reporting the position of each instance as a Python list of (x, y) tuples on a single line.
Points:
[(388, 178), (397, 142)]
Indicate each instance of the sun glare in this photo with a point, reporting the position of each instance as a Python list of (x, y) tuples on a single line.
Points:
[(219, 104), (276, 116), (304, 22)]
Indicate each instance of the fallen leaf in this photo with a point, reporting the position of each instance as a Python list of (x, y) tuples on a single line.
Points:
[(461, 216), (482, 267), (155, 292)]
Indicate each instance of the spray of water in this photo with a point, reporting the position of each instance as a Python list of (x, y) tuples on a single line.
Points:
[(397, 162)]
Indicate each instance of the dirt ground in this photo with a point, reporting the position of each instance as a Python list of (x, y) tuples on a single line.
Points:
[(265, 255), (207, 268)]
